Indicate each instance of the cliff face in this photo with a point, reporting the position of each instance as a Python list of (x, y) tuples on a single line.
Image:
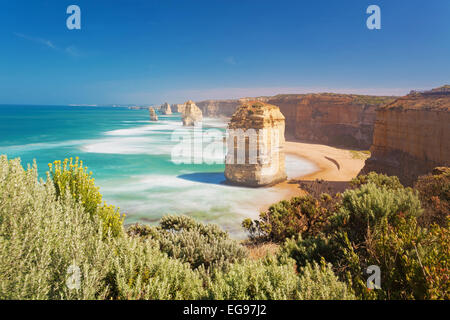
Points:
[(255, 146), (218, 108), (192, 114), (333, 119), (412, 135)]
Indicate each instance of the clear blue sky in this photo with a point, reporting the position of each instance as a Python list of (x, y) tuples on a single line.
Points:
[(145, 52)]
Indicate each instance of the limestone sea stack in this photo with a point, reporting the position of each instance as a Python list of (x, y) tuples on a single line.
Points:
[(255, 155), (412, 135), (153, 115), (165, 109), (192, 115)]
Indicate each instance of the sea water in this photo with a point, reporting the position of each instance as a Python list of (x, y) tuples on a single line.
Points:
[(131, 160)]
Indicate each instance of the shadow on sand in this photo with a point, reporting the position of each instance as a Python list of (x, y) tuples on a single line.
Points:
[(205, 177)]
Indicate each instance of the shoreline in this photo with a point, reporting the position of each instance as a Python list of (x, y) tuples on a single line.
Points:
[(333, 164)]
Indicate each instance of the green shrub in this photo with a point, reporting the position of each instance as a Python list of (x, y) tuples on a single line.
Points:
[(436, 262), (310, 249), (200, 245), (71, 178), (318, 282), (138, 271), (255, 280), (414, 262), (380, 180), (378, 226), (285, 219), (47, 227), (367, 208), (434, 194), (42, 235), (268, 279), (393, 240)]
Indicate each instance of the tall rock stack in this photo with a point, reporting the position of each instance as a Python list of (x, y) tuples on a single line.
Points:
[(255, 155), (192, 115), (165, 109), (153, 116), (412, 135)]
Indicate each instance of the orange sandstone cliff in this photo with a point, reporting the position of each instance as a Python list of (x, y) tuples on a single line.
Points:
[(412, 135), (333, 119)]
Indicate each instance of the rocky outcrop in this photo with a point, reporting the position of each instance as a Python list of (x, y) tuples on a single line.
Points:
[(327, 118), (412, 135), (179, 108), (192, 115), (165, 109), (153, 116), (255, 146)]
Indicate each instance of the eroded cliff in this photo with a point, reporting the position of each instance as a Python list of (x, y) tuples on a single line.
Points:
[(412, 135), (333, 119)]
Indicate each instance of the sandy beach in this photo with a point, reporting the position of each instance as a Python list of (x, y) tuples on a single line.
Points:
[(333, 164)]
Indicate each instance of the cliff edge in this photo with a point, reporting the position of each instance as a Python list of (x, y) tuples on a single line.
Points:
[(412, 135), (333, 119)]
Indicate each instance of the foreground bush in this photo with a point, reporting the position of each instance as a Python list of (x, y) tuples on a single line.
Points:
[(137, 271), (56, 244), (268, 279), (370, 208), (200, 245), (255, 280), (71, 179), (318, 282), (46, 240), (285, 219), (434, 193), (379, 179), (377, 225)]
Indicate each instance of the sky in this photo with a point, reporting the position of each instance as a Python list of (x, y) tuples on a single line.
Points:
[(148, 52)]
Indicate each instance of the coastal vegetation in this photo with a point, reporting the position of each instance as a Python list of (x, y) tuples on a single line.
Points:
[(59, 240), (375, 222)]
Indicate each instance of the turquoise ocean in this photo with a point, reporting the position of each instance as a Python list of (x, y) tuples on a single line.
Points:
[(131, 160)]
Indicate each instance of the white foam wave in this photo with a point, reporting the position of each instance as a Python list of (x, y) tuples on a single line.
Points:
[(41, 145), (128, 145)]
